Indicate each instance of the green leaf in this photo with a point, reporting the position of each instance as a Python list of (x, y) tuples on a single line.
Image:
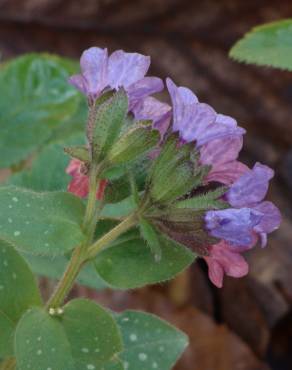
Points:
[(47, 172), (119, 209), (86, 336), (18, 288), (150, 343), (18, 292), (6, 336), (41, 342), (41, 223), (54, 267), (134, 143), (109, 120), (92, 332), (130, 264), (35, 99), (267, 45)]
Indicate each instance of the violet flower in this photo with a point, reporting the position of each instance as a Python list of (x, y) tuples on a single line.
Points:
[(195, 121), (100, 73), (251, 218)]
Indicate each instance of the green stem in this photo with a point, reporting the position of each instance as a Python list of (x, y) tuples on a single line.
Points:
[(8, 364), (122, 227), (78, 257)]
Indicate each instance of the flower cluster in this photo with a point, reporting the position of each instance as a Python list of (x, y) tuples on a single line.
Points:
[(217, 141)]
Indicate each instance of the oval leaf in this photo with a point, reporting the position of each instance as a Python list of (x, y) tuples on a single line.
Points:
[(41, 223), (130, 263), (150, 343), (267, 45), (92, 332), (41, 343)]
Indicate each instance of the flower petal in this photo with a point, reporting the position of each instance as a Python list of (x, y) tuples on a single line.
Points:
[(94, 67), (251, 187), (233, 225), (270, 221), (143, 88), (127, 68), (224, 259), (154, 110)]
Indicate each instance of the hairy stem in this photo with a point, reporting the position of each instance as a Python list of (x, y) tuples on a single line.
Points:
[(78, 257), (122, 227)]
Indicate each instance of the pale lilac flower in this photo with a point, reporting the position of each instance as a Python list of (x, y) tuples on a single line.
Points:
[(195, 121), (223, 259), (152, 109), (100, 73)]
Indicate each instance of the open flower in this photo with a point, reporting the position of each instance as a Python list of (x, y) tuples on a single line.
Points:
[(223, 259), (216, 136), (101, 72), (250, 218)]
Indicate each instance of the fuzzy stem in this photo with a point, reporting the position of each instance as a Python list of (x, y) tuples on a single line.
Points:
[(122, 227), (78, 257)]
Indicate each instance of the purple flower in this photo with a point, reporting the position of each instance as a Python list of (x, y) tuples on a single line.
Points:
[(152, 109), (197, 121), (251, 187), (250, 218), (233, 225), (100, 72)]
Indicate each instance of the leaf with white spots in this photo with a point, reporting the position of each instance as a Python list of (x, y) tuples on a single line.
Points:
[(41, 343), (150, 343), (41, 223), (85, 336), (18, 292), (130, 263), (92, 332)]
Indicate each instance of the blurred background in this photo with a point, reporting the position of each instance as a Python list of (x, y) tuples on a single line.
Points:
[(247, 325)]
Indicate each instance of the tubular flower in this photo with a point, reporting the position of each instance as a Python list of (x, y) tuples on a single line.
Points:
[(251, 218), (223, 259), (101, 72), (79, 184)]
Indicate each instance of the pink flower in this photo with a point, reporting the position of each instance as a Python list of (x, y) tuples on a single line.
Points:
[(223, 259), (79, 185), (222, 155)]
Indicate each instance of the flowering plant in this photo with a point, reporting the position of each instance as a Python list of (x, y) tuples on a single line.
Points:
[(150, 188)]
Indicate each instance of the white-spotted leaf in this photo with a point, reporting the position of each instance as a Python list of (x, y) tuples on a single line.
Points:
[(150, 343), (40, 223)]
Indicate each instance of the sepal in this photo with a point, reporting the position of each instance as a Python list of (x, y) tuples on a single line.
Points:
[(137, 141), (79, 152)]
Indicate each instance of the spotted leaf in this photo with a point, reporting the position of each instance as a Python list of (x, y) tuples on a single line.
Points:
[(40, 223), (150, 343)]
